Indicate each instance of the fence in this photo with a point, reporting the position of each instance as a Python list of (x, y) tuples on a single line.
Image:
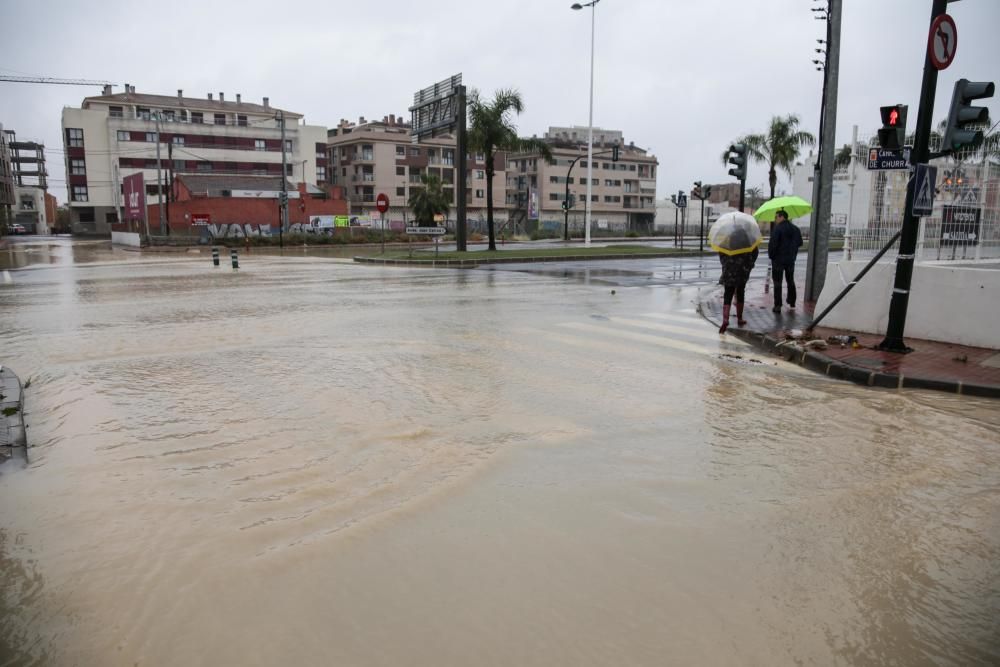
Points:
[(965, 223)]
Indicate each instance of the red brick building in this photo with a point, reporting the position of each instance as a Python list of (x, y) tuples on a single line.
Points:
[(219, 202)]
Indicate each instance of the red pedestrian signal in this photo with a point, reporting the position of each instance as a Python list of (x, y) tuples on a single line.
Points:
[(893, 133)]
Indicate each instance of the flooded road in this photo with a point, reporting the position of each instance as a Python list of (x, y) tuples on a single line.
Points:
[(312, 462)]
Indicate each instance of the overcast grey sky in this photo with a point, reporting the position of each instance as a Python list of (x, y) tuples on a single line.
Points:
[(679, 78)]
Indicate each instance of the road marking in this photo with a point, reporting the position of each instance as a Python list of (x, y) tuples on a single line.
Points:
[(640, 337)]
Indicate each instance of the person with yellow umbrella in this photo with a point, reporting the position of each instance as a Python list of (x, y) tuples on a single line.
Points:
[(786, 239), (736, 237)]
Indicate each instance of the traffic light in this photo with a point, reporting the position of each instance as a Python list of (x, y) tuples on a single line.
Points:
[(283, 198), (614, 153), (706, 191), (565, 205), (892, 136), (961, 115), (696, 192), (738, 157)]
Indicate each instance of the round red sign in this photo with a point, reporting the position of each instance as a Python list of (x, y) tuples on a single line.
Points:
[(942, 42), (382, 203)]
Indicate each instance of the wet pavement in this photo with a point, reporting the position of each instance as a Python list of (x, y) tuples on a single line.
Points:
[(310, 461)]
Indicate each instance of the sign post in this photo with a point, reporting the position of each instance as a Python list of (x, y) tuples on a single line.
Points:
[(893, 341), (382, 204)]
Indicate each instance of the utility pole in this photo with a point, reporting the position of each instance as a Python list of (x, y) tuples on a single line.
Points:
[(159, 180), (850, 185), (893, 341), (462, 145), (819, 225), (283, 204)]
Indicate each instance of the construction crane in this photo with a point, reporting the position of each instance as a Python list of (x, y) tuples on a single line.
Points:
[(46, 79)]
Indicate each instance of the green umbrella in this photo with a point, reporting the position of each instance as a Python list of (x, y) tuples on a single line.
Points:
[(795, 207)]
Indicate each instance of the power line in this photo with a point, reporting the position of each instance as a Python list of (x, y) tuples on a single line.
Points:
[(44, 79)]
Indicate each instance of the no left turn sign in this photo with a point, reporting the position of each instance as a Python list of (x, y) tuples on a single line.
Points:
[(942, 42)]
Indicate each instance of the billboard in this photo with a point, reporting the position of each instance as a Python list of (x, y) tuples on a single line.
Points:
[(135, 197)]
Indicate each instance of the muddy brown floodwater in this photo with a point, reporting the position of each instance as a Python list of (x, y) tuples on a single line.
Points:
[(311, 462)]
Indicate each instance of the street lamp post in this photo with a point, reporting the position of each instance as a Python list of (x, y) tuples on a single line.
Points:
[(590, 131)]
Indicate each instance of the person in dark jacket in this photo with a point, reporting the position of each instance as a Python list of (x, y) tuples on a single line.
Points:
[(786, 239), (735, 273)]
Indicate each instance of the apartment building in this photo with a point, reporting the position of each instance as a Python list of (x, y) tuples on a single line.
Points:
[(112, 136), (30, 176), (623, 193), (372, 157), (6, 184)]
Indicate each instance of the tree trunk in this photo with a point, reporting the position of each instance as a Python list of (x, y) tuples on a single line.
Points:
[(489, 199), (772, 180)]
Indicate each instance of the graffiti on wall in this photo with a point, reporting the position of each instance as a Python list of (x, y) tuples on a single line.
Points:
[(236, 230)]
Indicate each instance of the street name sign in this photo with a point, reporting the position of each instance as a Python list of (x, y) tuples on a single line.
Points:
[(881, 159), (432, 231)]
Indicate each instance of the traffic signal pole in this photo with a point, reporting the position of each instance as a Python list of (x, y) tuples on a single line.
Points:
[(819, 225), (900, 300)]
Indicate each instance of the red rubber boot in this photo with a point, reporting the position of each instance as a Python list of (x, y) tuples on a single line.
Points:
[(725, 318)]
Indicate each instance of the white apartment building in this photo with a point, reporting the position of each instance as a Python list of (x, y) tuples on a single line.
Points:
[(112, 136), (623, 193), (844, 204), (368, 158)]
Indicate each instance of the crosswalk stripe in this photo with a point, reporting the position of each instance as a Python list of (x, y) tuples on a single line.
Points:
[(640, 337), (702, 332), (690, 319)]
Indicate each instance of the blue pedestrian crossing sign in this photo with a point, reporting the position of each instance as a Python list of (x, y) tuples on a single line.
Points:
[(924, 180)]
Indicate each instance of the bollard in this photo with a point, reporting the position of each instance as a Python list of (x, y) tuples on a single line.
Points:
[(215, 255), (235, 258)]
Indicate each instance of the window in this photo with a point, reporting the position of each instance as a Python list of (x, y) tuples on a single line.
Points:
[(204, 166), (178, 165), (168, 115), (554, 196), (367, 151), (631, 167), (401, 192), (320, 174), (480, 194), (241, 120), (448, 157), (480, 157), (414, 152), (142, 113), (151, 137), (80, 193), (400, 150), (123, 135), (178, 140), (480, 174), (220, 119), (77, 167), (288, 145), (87, 214), (607, 182), (74, 137), (115, 112), (607, 166), (197, 117), (259, 145), (401, 171), (184, 115)]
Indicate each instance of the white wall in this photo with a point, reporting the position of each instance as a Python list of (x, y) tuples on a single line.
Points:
[(947, 303), (126, 238), (841, 208)]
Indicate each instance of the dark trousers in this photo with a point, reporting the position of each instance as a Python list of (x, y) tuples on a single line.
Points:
[(730, 290), (777, 271)]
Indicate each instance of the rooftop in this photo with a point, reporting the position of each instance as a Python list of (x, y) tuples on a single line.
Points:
[(179, 101)]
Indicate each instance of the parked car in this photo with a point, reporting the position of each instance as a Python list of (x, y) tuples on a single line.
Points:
[(16, 229)]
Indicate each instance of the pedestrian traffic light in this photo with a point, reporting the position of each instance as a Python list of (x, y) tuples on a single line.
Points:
[(892, 136), (738, 157), (614, 153), (696, 192), (706, 191), (961, 115)]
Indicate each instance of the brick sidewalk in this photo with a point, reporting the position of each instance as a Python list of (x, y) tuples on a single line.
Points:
[(931, 365)]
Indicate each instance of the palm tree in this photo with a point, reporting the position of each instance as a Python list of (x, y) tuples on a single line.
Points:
[(428, 201), (756, 196), (842, 159), (490, 130), (778, 148)]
